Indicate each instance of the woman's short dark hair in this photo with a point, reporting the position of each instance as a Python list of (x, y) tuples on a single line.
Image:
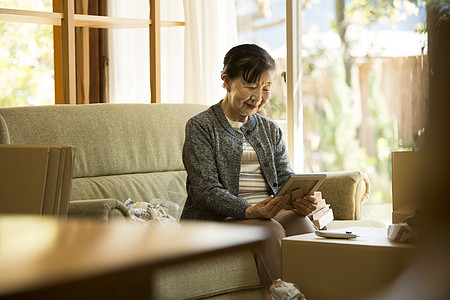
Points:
[(248, 60)]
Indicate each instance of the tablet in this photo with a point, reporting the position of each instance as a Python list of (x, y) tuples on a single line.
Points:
[(299, 185)]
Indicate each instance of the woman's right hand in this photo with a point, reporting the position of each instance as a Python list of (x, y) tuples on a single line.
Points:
[(268, 208)]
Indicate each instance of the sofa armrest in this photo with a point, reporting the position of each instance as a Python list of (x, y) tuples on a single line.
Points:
[(345, 192), (99, 209)]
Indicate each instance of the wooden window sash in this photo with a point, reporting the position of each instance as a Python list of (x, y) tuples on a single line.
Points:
[(92, 21), (155, 51), (82, 56)]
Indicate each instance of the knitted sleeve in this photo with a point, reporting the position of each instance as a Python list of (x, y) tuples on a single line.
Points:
[(206, 186)]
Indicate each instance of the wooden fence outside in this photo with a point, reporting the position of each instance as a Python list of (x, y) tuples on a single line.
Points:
[(404, 85)]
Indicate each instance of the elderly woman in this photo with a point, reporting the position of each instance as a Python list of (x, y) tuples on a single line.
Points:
[(236, 160)]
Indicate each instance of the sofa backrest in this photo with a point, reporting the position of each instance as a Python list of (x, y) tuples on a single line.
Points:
[(110, 139)]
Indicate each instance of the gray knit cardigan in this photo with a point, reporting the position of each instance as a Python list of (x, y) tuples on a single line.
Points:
[(212, 157)]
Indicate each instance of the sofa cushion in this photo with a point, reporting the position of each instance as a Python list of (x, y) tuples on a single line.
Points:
[(198, 279), (168, 186)]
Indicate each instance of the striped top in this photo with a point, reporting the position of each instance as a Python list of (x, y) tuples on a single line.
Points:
[(252, 185)]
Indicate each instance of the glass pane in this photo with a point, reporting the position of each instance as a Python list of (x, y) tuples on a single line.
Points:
[(26, 61), (129, 62), (172, 10), (364, 88), (172, 53), (264, 23), (172, 64), (129, 65), (38, 5), (138, 9)]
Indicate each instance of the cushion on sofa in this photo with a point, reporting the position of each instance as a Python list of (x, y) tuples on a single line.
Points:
[(166, 186), (198, 279)]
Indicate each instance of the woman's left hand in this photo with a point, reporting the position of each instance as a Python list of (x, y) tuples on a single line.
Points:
[(304, 206)]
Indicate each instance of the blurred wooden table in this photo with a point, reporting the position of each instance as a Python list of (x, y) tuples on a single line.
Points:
[(43, 258)]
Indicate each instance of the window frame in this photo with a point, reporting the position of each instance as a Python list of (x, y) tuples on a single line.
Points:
[(294, 103)]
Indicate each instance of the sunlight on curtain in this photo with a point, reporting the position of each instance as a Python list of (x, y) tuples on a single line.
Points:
[(172, 53), (210, 32), (129, 55), (129, 61)]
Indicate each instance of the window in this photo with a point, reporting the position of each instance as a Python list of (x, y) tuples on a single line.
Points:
[(264, 23), (365, 88), (26, 58), (129, 53), (275, 26), (72, 22), (352, 113)]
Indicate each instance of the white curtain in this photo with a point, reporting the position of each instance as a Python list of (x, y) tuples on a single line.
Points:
[(129, 68), (210, 32), (172, 49), (129, 71)]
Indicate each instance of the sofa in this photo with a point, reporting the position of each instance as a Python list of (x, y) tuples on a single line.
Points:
[(134, 151)]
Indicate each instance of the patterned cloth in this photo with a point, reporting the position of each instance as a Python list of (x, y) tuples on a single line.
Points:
[(252, 185)]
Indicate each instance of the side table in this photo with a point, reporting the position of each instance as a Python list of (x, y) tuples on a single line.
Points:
[(324, 268)]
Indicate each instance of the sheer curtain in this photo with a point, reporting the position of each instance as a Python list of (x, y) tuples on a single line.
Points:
[(129, 71), (129, 68), (190, 66), (210, 32)]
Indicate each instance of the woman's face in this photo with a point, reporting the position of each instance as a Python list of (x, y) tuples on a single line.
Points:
[(245, 99)]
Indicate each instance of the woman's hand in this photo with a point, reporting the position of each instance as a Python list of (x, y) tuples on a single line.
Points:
[(304, 206), (268, 208)]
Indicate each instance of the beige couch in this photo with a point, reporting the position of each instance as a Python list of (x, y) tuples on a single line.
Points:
[(134, 151)]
